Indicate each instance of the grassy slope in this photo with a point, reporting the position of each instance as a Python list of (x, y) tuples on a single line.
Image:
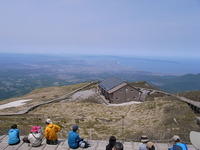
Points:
[(143, 84), (41, 95), (193, 95), (154, 118)]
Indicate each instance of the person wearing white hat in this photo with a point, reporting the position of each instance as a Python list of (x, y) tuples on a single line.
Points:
[(51, 131), (177, 144), (143, 145)]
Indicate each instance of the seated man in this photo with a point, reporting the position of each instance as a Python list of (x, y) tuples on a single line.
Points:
[(177, 144), (74, 140), (118, 146)]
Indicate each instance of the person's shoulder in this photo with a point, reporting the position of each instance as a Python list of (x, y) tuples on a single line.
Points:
[(15, 130), (70, 132), (55, 125), (182, 144), (75, 134), (10, 130), (177, 147), (142, 145), (108, 147)]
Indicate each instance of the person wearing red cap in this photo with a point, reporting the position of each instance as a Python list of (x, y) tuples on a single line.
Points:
[(35, 136)]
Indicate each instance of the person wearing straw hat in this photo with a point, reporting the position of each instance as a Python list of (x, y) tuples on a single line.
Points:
[(144, 139), (177, 144)]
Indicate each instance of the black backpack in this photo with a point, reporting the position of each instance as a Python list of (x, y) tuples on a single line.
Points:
[(25, 140)]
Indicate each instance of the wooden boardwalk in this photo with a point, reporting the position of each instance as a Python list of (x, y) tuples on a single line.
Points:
[(95, 145)]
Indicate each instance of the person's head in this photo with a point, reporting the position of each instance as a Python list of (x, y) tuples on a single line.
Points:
[(75, 128), (14, 126), (118, 146), (112, 140), (36, 129), (144, 139), (48, 121), (176, 139)]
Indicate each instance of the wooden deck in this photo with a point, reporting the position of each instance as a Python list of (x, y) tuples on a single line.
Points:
[(95, 145)]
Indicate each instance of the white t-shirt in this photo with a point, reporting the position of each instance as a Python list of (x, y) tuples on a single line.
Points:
[(142, 146), (35, 139)]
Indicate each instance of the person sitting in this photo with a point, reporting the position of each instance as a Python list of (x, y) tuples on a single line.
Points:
[(150, 146), (118, 146), (13, 135), (144, 139), (111, 144), (35, 136), (74, 140), (177, 144), (51, 131)]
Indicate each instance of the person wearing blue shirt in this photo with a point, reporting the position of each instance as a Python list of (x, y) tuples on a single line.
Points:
[(13, 135), (178, 145), (74, 138)]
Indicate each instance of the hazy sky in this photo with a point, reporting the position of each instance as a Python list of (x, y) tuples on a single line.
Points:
[(114, 27)]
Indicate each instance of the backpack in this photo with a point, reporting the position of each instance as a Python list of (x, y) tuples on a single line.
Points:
[(25, 140)]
